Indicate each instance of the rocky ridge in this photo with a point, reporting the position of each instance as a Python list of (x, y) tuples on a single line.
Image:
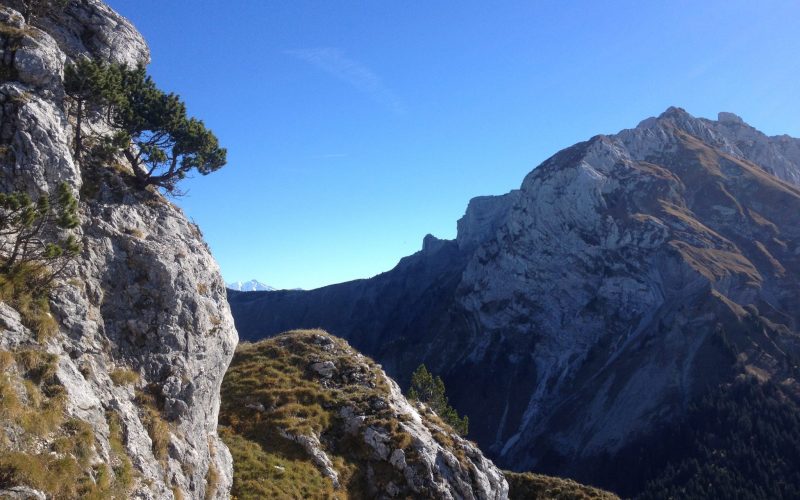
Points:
[(310, 393), (144, 331), (629, 274)]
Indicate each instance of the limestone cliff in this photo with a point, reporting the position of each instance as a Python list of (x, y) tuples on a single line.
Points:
[(144, 333)]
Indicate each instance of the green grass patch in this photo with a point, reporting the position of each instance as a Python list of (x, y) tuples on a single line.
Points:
[(268, 471)]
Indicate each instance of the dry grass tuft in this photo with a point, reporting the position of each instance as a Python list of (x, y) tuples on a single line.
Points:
[(156, 426), (24, 288), (124, 376)]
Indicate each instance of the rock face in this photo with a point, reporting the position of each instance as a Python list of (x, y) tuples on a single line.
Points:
[(626, 276), (144, 296), (351, 423)]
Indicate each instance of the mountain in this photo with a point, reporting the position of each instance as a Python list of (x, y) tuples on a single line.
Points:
[(250, 286), (110, 377), (592, 312)]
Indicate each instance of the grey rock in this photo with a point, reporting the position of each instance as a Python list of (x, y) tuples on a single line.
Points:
[(436, 471), (38, 60), (22, 493), (324, 369), (313, 448)]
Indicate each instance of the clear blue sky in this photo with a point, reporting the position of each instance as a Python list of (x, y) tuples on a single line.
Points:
[(354, 128)]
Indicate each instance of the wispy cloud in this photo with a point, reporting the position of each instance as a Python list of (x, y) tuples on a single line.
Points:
[(328, 156), (335, 62)]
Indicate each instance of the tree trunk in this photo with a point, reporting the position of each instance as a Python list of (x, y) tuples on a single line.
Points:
[(78, 135)]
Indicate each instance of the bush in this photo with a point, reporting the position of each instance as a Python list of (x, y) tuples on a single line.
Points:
[(31, 229)]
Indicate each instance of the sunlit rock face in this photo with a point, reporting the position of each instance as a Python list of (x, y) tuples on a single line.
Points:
[(627, 274), (144, 295)]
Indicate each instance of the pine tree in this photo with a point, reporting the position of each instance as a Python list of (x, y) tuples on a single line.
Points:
[(92, 87), (430, 390), (32, 231), (152, 129)]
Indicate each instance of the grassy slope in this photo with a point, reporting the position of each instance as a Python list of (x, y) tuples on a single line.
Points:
[(529, 486), (270, 387)]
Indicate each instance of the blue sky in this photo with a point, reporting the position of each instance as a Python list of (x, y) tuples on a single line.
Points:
[(354, 128)]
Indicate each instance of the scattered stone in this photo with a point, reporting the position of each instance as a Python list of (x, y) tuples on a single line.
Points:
[(325, 369)]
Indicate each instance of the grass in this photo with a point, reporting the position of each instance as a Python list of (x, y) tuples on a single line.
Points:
[(157, 427), (270, 387), (124, 376), (135, 232), (38, 409), (263, 470), (120, 462), (177, 493), (14, 32), (530, 486)]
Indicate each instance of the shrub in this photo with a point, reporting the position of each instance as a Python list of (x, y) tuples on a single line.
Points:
[(31, 229)]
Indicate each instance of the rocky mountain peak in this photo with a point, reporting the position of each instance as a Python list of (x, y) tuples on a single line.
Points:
[(730, 118), (778, 155)]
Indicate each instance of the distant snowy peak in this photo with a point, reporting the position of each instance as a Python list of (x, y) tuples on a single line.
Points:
[(250, 286)]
